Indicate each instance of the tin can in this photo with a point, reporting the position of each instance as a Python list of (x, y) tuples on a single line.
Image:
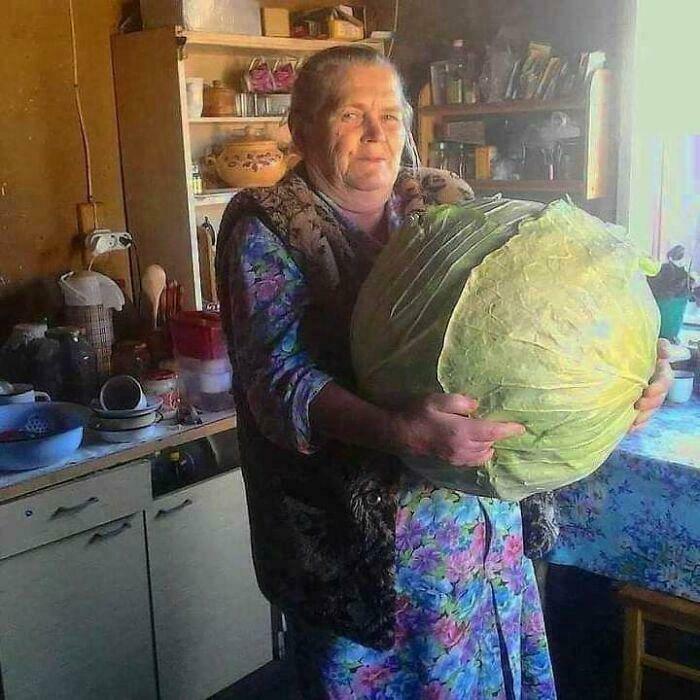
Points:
[(162, 384)]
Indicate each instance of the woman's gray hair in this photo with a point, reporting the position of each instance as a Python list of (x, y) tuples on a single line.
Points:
[(313, 90)]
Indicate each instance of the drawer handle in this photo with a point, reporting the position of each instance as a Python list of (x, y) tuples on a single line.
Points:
[(110, 533), (167, 511), (70, 510)]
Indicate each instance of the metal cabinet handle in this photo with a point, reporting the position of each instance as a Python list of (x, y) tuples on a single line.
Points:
[(167, 511), (125, 525), (70, 510)]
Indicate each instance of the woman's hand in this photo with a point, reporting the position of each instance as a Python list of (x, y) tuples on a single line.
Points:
[(655, 393), (440, 425)]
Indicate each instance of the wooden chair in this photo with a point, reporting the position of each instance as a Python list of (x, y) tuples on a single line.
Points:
[(642, 606)]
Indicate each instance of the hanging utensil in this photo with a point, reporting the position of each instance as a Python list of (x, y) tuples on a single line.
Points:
[(152, 286)]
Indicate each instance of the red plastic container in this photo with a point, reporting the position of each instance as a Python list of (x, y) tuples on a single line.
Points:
[(198, 334)]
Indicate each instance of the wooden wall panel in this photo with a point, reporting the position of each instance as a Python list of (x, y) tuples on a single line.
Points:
[(41, 161)]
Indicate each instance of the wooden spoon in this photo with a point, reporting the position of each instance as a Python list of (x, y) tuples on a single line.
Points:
[(152, 286)]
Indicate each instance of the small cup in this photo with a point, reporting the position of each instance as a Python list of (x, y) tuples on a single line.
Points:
[(681, 387), (122, 393), (23, 393)]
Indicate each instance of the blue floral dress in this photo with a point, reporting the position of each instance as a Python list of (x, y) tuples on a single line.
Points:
[(468, 622)]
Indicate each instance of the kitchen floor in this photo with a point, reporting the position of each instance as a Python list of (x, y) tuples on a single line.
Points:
[(584, 624)]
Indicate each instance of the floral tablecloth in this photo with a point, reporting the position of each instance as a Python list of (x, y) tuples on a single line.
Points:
[(637, 518)]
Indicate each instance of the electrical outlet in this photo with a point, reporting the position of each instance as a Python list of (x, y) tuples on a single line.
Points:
[(105, 241)]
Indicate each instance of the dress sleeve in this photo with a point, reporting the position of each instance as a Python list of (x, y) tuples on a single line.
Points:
[(269, 297)]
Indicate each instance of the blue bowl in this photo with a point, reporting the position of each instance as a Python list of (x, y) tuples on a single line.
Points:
[(62, 427)]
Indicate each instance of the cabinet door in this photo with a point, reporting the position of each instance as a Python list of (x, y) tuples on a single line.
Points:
[(212, 624), (74, 618)]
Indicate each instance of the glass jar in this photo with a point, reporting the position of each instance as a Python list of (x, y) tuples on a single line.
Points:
[(454, 83), (131, 357), (75, 363), (439, 154), (16, 354)]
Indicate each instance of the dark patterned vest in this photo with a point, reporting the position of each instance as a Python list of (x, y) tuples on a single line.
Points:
[(322, 525)]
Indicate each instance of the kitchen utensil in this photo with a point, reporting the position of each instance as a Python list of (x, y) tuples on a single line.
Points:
[(219, 100), (38, 435), (152, 285), (22, 393), (121, 436), (152, 405), (250, 162), (681, 387), (122, 393), (98, 423)]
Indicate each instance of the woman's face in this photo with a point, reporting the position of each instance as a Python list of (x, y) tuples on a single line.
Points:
[(357, 141)]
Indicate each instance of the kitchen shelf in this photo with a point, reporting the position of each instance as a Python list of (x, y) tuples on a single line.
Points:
[(593, 178), (561, 186), (236, 120), (151, 68), (242, 42), (214, 197), (503, 108)]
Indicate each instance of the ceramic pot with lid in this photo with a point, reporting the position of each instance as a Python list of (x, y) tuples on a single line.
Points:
[(248, 162)]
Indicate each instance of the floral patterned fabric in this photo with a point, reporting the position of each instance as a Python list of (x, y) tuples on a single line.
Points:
[(468, 623), (468, 619), (636, 518)]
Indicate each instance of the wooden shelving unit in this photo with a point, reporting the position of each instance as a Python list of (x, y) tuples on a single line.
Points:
[(500, 108), (235, 120), (592, 110), (159, 143), (553, 186), (211, 198), (268, 44)]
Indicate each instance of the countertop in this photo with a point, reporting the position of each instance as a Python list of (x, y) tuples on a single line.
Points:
[(95, 455)]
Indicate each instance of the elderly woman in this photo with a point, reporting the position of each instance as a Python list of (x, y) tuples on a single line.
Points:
[(394, 588)]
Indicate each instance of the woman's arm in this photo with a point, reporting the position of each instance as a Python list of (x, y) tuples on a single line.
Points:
[(438, 425), (295, 404)]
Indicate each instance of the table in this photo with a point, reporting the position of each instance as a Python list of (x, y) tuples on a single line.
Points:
[(637, 519)]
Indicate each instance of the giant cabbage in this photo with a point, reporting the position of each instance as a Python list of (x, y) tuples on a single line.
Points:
[(541, 313)]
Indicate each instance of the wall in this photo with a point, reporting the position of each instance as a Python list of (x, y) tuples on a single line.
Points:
[(41, 160)]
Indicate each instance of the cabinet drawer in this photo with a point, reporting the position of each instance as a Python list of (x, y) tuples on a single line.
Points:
[(73, 507)]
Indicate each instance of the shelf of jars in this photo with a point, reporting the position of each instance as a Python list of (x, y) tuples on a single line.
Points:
[(484, 109)]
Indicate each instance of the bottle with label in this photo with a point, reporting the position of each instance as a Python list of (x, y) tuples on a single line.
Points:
[(197, 186)]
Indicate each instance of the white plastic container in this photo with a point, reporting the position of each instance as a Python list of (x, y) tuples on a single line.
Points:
[(221, 16), (681, 388)]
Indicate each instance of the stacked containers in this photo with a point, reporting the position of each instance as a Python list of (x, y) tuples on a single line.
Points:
[(202, 358)]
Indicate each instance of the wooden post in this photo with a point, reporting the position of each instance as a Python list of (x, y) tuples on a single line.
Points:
[(633, 651)]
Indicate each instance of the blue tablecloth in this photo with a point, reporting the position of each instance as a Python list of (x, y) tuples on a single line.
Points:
[(637, 518)]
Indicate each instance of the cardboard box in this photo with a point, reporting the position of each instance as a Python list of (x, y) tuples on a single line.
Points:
[(347, 31), (225, 16), (344, 22), (483, 157), (275, 21)]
